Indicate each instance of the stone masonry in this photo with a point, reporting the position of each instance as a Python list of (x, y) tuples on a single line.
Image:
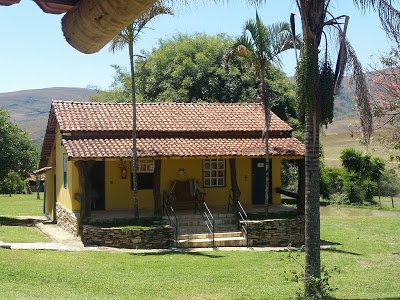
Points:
[(67, 220), (157, 238), (276, 232)]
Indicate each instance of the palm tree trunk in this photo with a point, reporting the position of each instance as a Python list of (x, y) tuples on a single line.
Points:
[(266, 102), (312, 213), (134, 136), (312, 17)]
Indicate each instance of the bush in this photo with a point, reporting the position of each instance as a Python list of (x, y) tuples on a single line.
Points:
[(12, 184), (332, 182)]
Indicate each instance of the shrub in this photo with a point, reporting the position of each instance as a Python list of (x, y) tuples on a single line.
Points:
[(12, 184)]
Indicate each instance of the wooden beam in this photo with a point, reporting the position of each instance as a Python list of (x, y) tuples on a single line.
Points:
[(91, 24)]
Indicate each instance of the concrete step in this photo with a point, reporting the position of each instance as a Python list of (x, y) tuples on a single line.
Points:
[(207, 242)]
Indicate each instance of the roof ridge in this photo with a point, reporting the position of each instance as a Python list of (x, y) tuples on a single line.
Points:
[(160, 103)]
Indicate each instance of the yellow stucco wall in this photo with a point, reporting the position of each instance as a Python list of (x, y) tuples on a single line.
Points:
[(65, 195), (49, 186), (118, 191)]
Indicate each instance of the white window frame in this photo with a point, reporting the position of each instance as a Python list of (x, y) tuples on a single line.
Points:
[(145, 166), (214, 173)]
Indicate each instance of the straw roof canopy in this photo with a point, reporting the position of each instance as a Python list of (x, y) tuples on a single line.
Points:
[(88, 25)]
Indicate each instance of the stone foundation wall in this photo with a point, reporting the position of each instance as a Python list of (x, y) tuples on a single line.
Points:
[(156, 238), (67, 220), (277, 232)]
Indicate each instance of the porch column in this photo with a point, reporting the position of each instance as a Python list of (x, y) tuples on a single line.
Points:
[(85, 185), (158, 206), (235, 187), (301, 187)]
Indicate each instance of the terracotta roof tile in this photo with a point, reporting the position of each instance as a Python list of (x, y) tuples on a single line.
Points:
[(182, 147), (164, 117)]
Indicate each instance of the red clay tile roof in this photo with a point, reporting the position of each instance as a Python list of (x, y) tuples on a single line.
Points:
[(101, 130), (181, 147), (164, 117)]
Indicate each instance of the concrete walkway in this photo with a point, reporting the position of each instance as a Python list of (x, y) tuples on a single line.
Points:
[(61, 240)]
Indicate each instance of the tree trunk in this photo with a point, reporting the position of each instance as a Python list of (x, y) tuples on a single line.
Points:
[(91, 24), (267, 110), (312, 213), (312, 18), (235, 187), (156, 189), (134, 135), (85, 185), (301, 186)]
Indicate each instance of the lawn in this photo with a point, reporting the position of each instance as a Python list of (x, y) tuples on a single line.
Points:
[(366, 251), (15, 231), (21, 205)]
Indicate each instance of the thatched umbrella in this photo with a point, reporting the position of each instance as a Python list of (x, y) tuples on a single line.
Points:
[(91, 24)]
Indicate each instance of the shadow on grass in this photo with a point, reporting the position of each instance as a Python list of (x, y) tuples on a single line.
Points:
[(7, 221), (335, 250), (390, 298), (177, 252)]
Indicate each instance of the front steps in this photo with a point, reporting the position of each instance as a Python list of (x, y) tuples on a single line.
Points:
[(203, 240), (193, 232)]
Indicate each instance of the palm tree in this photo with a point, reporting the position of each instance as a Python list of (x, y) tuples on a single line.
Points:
[(314, 17), (261, 45), (127, 37)]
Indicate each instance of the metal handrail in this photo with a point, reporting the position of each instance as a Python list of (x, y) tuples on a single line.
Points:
[(205, 212), (168, 200), (240, 215)]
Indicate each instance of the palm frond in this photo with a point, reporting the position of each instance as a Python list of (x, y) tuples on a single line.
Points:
[(363, 96), (388, 14)]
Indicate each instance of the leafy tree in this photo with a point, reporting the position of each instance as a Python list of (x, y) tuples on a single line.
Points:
[(389, 185), (127, 38), (12, 183), (18, 153), (188, 69)]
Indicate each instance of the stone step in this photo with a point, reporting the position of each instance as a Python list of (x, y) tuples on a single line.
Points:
[(191, 236), (204, 229), (201, 222), (207, 242), (199, 216)]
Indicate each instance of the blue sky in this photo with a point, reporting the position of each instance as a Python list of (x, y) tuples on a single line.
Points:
[(34, 54)]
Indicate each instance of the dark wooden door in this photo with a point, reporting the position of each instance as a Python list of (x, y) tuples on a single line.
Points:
[(97, 175), (258, 180)]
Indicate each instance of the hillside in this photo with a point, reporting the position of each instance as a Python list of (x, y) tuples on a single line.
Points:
[(30, 108)]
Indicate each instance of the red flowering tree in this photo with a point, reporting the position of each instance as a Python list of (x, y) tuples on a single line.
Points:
[(386, 100)]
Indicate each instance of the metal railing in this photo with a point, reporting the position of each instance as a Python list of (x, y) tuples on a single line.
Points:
[(201, 206), (240, 215), (168, 209)]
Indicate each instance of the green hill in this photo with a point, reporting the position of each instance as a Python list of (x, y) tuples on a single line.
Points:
[(30, 108)]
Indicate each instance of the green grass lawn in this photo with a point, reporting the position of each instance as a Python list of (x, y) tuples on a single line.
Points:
[(15, 231), (366, 252), (21, 205)]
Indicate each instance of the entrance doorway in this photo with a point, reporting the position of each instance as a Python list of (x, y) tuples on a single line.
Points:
[(97, 177), (258, 181)]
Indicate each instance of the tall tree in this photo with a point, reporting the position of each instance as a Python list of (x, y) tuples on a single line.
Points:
[(18, 154), (262, 45), (310, 79), (127, 37)]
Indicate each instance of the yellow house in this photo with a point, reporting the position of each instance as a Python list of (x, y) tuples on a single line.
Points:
[(87, 151)]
